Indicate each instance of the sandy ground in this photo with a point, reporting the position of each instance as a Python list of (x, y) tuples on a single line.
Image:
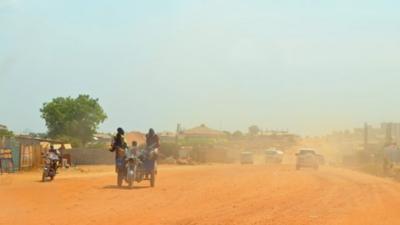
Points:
[(212, 194)]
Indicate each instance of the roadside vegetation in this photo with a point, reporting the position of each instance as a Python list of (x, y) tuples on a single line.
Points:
[(73, 120)]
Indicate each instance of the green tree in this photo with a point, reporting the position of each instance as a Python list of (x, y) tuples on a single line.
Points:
[(6, 133), (237, 134), (254, 130), (227, 133), (73, 119)]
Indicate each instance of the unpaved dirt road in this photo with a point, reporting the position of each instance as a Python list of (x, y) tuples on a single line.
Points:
[(214, 194)]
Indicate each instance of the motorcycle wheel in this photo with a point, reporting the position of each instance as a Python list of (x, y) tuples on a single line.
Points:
[(152, 178), (130, 179), (120, 179), (52, 178), (130, 182), (43, 177)]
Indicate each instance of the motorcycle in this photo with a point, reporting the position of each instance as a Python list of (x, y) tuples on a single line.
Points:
[(50, 166), (137, 167), (128, 171)]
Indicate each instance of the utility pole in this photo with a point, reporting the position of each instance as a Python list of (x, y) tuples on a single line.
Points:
[(178, 131), (365, 136), (389, 138)]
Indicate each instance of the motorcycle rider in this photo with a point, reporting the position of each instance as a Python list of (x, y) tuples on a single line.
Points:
[(58, 154), (118, 143), (119, 140)]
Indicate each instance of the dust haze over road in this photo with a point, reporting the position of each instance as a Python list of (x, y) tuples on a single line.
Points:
[(208, 194), (220, 81)]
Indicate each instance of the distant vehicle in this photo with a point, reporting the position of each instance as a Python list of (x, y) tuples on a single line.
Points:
[(391, 161), (246, 158), (307, 158), (273, 156), (321, 159)]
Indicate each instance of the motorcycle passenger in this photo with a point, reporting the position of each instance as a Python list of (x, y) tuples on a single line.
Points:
[(152, 145), (152, 141), (135, 149)]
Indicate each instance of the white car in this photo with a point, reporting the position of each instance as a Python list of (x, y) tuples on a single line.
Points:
[(273, 156)]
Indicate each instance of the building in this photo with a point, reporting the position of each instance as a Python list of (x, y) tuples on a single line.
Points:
[(31, 150), (139, 137), (27, 152), (201, 135), (391, 132), (167, 137), (368, 138), (102, 139), (9, 155), (3, 127), (204, 132)]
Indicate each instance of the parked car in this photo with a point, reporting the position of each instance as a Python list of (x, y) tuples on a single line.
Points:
[(273, 156), (246, 158), (307, 158), (391, 161)]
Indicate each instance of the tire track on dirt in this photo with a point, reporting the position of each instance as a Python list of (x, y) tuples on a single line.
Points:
[(207, 195)]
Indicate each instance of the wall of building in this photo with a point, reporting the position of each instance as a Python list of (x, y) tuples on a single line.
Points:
[(13, 145), (31, 153), (80, 156)]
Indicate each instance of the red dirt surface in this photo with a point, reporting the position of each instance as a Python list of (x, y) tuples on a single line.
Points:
[(195, 195)]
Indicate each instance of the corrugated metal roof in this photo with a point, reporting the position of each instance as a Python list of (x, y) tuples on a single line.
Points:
[(203, 130)]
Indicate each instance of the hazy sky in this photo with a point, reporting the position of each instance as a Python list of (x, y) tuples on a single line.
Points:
[(307, 66)]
